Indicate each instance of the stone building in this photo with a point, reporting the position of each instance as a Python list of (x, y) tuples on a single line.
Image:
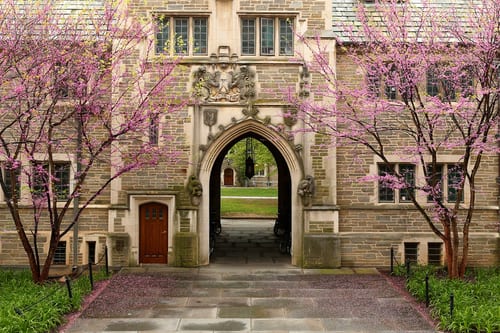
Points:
[(239, 57)]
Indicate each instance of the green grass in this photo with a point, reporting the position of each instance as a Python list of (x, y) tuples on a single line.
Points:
[(249, 207), (249, 191), (265, 203), (28, 307), (476, 299)]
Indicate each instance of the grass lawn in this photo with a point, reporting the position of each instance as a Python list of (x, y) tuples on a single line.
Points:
[(234, 207), (249, 191), (263, 204)]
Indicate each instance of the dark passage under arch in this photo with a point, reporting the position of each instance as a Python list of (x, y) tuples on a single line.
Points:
[(284, 182)]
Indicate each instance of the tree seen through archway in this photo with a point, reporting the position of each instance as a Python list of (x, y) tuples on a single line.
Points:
[(264, 162)]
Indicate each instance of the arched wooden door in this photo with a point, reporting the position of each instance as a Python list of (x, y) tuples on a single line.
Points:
[(153, 242), (228, 177)]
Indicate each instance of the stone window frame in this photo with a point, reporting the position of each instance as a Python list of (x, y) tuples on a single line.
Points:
[(154, 130), (153, 133), (398, 195), (432, 85), (5, 176), (24, 197), (434, 253), (422, 251), (378, 87), (284, 24), (59, 158), (447, 182), (411, 252), (60, 256), (196, 34), (61, 169), (440, 85), (448, 160)]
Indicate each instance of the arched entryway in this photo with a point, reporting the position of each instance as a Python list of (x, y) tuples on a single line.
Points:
[(153, 233), (289, 174)]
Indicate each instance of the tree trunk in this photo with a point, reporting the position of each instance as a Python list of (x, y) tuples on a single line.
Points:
[(32, 259), (54, 241), (456, 245), (450, 251), (448, 248), (465, 252)]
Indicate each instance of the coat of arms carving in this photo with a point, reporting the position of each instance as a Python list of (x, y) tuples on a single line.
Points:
[(225, 84), (210, 117)]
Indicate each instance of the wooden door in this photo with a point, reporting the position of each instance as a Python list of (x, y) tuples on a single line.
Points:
[(228, 177), (153, 242)]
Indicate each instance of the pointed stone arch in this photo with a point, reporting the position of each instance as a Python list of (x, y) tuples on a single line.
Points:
[(287, 155)]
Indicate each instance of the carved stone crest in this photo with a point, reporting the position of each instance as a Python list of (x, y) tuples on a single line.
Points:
[(225, 84), (210, 117)]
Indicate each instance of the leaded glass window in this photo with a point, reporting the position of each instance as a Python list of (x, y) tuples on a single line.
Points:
[(286, 36), (248, 36), (266, 36)]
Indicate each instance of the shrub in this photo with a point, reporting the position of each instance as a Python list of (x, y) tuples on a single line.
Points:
[(29, 307), (476, 298)]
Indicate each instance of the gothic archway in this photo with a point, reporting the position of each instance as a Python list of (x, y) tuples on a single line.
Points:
[(289, 171)]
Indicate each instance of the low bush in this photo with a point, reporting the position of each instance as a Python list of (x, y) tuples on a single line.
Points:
[(29, 307), (476, 298)]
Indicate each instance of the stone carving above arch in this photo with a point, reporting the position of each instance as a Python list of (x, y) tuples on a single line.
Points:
[(230, 84), (305, 82), (224, 79), (250, 111)]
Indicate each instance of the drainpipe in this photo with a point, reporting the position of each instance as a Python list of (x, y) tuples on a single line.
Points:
[(497, 67), (76, 199)]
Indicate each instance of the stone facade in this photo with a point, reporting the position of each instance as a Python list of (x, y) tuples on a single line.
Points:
[(338, 223)]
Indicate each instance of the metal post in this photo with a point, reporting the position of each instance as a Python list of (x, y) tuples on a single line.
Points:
[(106, 259), (68, 285), (91, 278), (392, 260)]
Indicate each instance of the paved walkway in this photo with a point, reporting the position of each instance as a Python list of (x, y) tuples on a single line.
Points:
[(249, 287)]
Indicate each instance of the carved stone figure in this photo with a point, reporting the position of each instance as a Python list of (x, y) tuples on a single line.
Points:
[(306, 189), (195, 190), (245, 81), (203, 82)]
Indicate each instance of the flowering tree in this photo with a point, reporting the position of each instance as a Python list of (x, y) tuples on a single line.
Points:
[(72, 105), (260, 153), (430, 88)]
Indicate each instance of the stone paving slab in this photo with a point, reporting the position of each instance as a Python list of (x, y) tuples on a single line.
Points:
[(234, 324), (219, 302), (288, 324), (244, 293)]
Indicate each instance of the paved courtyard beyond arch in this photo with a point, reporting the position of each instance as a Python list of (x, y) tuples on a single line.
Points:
[(256, 294)]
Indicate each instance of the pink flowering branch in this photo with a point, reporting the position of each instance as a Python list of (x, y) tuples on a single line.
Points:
[(68, 92), (394, 48)]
